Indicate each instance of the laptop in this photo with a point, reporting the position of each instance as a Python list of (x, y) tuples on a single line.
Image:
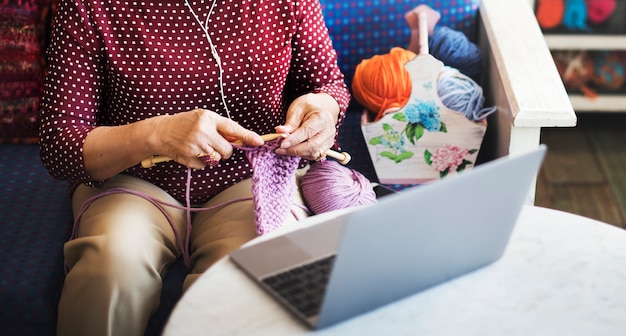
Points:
[(407, 242)]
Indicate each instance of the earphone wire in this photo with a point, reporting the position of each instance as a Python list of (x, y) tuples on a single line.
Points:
[(214, 52)]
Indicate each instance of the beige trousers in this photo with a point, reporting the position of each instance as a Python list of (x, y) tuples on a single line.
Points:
[(125, 245)]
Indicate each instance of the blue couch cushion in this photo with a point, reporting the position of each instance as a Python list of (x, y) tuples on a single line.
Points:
[(36, 221)]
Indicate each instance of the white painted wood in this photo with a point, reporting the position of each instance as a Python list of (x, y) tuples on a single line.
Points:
[(587, 42), (522, 79), (524, 139), (518, 52), (604, 103)]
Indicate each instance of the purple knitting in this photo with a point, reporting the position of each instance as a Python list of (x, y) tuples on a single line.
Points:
[(273, 184)]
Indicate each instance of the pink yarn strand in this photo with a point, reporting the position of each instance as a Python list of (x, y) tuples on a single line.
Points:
[(159, 204), (326, 186)]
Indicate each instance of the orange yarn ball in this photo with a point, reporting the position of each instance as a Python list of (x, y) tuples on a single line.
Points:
[(382, 82), (550, 13)]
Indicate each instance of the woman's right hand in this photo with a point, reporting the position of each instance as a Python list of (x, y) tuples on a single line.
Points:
[(109, 150), (187, 135)]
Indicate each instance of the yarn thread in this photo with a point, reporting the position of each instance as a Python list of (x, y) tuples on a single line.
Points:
[(454, 49), (608, 70), (549, 13), (382, 82), (272, 195), (329, 186), (375, 82), (575, 15), (159, 204), (599, 11), (460, 93)]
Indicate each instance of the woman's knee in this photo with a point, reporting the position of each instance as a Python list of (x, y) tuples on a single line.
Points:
[(105, 260)]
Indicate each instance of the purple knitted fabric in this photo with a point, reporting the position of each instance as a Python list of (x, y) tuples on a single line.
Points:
[(273, 184)]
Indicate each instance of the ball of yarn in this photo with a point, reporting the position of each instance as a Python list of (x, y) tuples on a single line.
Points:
[(549, 13), (608, 70), (575, 15), (460, 93), (329, 186), (382, 82), (454, 49), (599, 11), (457, 91)]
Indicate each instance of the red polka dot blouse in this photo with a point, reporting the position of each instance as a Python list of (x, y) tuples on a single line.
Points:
[(117, 62)]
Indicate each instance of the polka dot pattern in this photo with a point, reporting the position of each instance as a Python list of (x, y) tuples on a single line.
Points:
[(117, 62)]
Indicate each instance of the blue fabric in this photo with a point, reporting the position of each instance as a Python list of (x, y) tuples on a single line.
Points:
[(36, 220)]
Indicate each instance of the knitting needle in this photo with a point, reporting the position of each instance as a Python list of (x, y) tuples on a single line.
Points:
[(149, 162), (342, 157)]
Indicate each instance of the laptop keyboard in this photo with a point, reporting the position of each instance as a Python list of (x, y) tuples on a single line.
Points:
[(303, 286)]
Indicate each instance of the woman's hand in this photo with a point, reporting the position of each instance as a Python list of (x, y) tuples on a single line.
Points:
[(109, 150), (186, 136), (310, 126)]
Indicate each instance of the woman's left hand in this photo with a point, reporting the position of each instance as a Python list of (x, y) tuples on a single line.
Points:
[(310, 126)]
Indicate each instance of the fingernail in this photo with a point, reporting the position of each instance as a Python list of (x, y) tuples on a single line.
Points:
[(285, 144)]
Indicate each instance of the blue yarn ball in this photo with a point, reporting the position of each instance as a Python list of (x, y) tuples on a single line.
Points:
[(575, 15), (460, 93), (454, 49)]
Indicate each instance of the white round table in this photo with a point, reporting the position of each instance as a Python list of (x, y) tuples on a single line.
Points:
[(561, 274)]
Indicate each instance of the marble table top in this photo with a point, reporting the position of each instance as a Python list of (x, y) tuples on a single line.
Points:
[(561, 274)]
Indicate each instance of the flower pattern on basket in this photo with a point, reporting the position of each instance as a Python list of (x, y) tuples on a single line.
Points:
[(449, 158), (419, 116), (395, 142)]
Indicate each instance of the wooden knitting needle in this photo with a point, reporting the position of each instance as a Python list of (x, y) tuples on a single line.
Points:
[(342, 157)]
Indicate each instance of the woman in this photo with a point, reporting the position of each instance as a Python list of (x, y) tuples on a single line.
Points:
[(128, 80)]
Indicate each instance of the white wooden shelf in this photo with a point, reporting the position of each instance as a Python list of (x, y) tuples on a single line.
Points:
[(602, 103), (592, 42), (585, 42)]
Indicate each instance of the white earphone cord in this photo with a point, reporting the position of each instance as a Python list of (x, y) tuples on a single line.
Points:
[(216, 56)]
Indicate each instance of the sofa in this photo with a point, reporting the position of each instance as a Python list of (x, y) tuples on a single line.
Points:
[(518, 77)]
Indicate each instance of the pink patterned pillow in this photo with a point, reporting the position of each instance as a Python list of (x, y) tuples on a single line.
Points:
[(23, 28)]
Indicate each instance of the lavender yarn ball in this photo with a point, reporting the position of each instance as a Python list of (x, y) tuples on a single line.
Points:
[(329, 186)]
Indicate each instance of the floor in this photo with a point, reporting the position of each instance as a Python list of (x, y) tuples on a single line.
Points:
[(585, 169)]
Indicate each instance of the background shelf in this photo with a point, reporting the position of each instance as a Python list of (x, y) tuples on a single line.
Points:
[(608, 35), (603, 103), (587, 42)]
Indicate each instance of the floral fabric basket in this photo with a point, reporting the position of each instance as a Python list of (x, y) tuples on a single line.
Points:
[(424, 140)]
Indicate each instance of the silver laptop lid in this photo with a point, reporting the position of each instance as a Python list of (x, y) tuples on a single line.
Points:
[(427, 235)]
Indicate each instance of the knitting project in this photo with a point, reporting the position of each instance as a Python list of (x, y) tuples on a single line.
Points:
[(273, 184)]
